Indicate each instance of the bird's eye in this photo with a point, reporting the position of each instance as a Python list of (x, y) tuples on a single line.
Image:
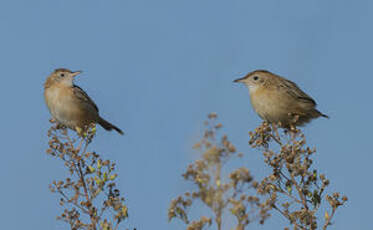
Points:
[(255, 78), (62, 75)]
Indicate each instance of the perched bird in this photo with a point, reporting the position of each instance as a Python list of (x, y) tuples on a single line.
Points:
[(70, 105), (276, 99)]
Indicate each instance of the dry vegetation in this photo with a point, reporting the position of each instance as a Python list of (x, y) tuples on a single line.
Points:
[(89, 194), (294, 188)]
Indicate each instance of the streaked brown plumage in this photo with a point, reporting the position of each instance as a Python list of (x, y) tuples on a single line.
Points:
[(69, 104), (277, 99)]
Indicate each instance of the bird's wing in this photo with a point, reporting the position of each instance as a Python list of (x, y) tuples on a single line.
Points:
[(83, 96), (293, 90)]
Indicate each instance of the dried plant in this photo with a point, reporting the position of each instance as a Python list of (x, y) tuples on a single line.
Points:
[(295, 188), (218, 193), (89, 194)]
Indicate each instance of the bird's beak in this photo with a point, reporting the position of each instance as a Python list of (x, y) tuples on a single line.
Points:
[(239, 80), (76, 73)]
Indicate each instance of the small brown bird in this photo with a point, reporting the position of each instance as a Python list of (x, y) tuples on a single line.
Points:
[(276, 99), (70, 105)]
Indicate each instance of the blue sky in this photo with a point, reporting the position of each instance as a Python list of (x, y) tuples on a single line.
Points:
[(156, 68)]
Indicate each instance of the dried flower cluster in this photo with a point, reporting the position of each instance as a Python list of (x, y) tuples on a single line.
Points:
[(89, 195), (294, 188), (215, 191)]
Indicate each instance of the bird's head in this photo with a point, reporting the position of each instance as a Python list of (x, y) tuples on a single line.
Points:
[(63, 76), (255, 79)]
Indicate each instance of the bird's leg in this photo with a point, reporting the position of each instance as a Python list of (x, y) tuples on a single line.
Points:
[(79, 131), (90, 132), (293, 132), (275, 137), (81, 134), (274, 126)]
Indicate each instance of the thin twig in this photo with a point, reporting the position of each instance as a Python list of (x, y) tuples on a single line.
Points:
[(300, 192), (327, 223), (274, 138), (74, 203), (287, 217)]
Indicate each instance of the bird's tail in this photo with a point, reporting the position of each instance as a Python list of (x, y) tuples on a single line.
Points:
[(326, 116), (321, 114), (108, 126)]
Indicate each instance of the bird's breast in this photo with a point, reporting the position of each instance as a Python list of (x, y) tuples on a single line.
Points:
[(62, 105), (269, 104)]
